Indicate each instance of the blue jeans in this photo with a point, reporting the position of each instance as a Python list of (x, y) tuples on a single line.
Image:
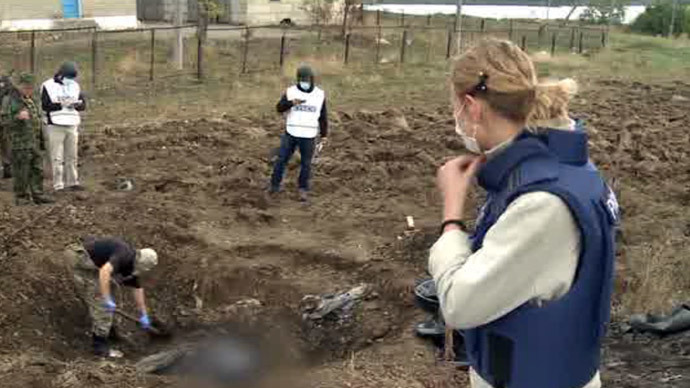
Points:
[(288, 144)]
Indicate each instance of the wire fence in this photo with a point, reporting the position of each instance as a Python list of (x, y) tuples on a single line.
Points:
[(121, 58)]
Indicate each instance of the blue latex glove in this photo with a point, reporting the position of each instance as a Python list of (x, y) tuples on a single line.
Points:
[(109, 304), (145, 321)]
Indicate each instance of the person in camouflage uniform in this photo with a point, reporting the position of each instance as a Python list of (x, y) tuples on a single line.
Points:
[(23, 120), (6, 87)]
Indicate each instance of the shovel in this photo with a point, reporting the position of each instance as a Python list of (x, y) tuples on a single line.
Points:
[(155, 328)]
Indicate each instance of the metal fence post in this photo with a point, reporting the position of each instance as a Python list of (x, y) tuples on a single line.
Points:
[(378, 45), (524, 43), (449, 43), (200, 54), (245, 50), (603, 39), (347, 47), (581, 45), (282, 50), (553, 44), (378, 17), (402, 47), (32, 55), (428, 20), (572, 38), (510, 31), (94, 58), (402, 18), (153, 54), (483, 26)]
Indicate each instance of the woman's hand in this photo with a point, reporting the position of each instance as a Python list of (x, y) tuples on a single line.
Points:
[(454, 179)]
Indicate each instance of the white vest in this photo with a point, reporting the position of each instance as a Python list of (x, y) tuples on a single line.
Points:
[(303, 120), (59, 93)]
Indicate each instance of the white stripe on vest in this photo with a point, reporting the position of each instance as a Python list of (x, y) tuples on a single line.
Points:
[(59, 93), (303, 120)]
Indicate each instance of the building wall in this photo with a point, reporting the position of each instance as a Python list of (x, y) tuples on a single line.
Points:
[(101, 8), (30, 9), (272, 12), (52, 9)]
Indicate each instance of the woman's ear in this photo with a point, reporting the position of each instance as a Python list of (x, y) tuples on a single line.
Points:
[(473, 108)]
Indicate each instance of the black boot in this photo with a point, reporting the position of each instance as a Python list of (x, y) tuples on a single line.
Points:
[(6, 171), (114, 335), (100, 346), (41, 199)]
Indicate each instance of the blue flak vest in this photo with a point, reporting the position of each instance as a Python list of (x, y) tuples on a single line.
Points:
[(558, 344)]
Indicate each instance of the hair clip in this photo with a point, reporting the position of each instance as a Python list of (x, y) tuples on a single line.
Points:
[(481, 86)]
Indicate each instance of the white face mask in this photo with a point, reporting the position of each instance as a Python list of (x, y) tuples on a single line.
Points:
[(305, 85), (470, 142), (68, 81)]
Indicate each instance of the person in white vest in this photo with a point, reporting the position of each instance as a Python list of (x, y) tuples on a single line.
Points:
[(62, 100), (306, 118)]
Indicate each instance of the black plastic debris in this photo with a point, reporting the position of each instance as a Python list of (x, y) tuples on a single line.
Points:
[(425, 296), (434, 328), (677, 321)]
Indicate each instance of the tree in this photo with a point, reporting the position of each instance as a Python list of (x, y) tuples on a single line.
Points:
[(656, 19), (319, 11), (604, 11)]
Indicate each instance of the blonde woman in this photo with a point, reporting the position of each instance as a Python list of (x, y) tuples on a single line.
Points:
[(531, 286)]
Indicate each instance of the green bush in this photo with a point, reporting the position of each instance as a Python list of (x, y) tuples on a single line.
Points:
[(656, 19), (603, 12)]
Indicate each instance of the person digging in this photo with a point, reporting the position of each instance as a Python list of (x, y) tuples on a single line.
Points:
[(306, 117), (97, 261)]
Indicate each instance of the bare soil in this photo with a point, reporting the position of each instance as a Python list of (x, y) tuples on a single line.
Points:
[(231, 258)]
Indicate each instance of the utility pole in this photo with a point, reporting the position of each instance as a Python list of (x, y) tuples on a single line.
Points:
[(458, 26), (673, 19), (548, 10), (609, 22), (179, 47)]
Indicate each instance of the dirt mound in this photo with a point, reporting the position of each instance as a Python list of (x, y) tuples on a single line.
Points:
[(230, 256)]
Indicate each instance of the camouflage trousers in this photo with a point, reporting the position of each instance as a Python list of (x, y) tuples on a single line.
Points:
[(5, 148), (27, 170), (85, 274)]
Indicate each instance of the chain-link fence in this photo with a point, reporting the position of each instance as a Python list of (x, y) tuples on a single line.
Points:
[(117, 59)]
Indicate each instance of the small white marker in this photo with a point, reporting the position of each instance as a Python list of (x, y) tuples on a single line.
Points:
[(410, 222)]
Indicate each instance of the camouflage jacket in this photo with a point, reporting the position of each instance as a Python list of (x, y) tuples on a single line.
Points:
[(25, 134)]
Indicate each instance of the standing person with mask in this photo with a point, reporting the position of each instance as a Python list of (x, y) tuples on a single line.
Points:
[(306, 118), (95, 262), (23, 121), (62, 100), (531, 286)]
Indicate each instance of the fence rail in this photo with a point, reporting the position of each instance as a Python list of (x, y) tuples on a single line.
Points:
[(113, 59)]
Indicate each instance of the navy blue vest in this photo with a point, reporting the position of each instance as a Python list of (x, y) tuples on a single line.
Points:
[(558, 344)]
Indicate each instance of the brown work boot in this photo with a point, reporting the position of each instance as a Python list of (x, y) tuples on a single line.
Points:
[(76, 188), (40, 199), (22, 201)]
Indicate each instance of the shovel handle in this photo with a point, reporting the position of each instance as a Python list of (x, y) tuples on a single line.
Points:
[(134, 319)]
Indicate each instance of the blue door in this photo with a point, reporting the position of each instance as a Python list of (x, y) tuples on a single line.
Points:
[(71, 9)]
